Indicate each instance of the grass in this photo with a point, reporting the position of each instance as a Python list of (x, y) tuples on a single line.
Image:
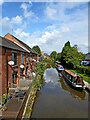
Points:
[(85, 77)]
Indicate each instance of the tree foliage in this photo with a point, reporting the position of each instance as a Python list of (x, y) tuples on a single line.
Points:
[(53, 55), (70, 56), (58, 57), (37, 49), (67, 44)]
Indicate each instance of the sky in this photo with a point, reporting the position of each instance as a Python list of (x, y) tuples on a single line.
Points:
[(47, 24)]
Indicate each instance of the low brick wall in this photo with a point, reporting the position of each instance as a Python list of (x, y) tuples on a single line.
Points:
[(23, 82), (22, 107), (19, 116)]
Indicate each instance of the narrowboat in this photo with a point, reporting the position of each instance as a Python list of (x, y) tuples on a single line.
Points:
[(59, 67), (76, 81)]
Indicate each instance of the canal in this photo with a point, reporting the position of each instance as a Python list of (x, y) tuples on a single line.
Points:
[(57, 99)]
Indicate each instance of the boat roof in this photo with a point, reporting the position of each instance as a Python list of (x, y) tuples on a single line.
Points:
[(58, 62), (71, 73)]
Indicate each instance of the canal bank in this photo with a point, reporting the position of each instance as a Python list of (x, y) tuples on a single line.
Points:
[(86, 80), (29, 104), (57, 100), (37, 84), (87, 86)]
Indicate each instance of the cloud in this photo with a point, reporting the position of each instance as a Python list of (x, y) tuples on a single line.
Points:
[(65, 22), (17, 20), (65, 29), (5, 24), (50, 27), (1, 2), (55, 38), (63, 11), (31, 15), (50, 12), (20, 34), (28, 13), (48, 41), (26, 6)]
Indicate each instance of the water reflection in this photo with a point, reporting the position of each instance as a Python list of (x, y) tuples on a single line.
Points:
[(51, 75), (74, 93), (51, 78), (60, 102)]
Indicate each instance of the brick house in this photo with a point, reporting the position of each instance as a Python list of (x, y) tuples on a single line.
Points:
[(34, 55), (45, 55), (86, 61), (12, 49), (9, 74)]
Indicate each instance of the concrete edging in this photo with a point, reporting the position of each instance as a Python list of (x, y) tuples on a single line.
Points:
[(87, 86)]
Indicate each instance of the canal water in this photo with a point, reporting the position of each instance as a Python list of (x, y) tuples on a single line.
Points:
[(57, 99)]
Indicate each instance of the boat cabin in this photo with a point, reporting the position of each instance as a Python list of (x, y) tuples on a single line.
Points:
[(74, 78)]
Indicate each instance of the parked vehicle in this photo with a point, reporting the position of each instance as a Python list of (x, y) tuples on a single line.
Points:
[(85, 63)]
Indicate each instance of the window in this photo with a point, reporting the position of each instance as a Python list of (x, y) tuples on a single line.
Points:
[(22, 58), (14, 58), (26, 58)]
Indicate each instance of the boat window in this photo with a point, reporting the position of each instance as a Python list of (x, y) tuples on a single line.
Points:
[(73, 79)]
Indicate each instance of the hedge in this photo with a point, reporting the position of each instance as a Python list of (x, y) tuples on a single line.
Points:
[(83, 69)]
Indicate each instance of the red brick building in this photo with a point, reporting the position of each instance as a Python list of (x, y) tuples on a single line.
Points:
[(12, 38), (45, 55), (32, 54), (12, 49), (10, 73)]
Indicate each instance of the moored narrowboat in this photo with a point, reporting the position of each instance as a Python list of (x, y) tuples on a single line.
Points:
[(59, 67), (76, 81)]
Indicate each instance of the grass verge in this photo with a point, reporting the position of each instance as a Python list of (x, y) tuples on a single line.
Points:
[(85, 77)]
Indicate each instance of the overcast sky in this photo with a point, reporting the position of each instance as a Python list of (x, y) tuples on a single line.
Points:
[(47, 24)]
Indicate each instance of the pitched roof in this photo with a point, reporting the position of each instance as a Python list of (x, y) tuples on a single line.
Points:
[(46, 54), (9, 44), (25, 45)]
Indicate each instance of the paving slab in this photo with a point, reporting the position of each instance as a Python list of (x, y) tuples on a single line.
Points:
[(13, 108)]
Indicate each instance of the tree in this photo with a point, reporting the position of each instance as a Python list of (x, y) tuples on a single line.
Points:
[(70, 56), (37, 49), (53, 55), (58, 57), (67, 44)]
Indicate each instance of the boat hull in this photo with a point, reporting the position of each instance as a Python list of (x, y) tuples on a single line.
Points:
[(77, 87)]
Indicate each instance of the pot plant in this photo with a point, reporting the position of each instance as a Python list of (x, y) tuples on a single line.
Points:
[(8, 96), (3, 100), (0, 105), (5, 97)]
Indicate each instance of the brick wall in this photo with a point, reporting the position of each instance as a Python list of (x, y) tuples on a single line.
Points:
[(18, 62), (7, 70), (3, 72), (10, 37), (0, 71), (9, 58), (48, 57), (42, 53)]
